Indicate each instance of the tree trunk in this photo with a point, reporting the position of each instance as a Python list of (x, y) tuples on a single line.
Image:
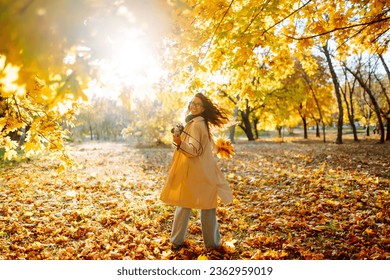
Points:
[(324, 131), (304, 127), (255, 123), (354, 130), (387, 98), (349, 105), (373, 101), (339, 139), (385, 66), (367, 117), (246, 126), (232, 130), (318, 128), (90, 132), (352, 123), (279, 129), (308, 81), (245, 122), (303, 118), (23, 136)]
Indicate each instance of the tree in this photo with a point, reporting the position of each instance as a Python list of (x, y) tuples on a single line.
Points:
[(214, 35), (322, 98), (150, 124), (29, 123), (348, 93), (386, 109), (336, 83), (311, 94), (243, 112), (366, 84), (364, 109), (213, 43), (58, 47)]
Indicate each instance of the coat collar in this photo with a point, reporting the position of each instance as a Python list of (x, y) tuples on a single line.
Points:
[(196, 119)]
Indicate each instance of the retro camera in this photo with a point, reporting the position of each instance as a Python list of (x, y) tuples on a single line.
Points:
[(177, 129)]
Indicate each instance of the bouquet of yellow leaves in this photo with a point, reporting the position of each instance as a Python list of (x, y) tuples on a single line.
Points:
[(225, 149)]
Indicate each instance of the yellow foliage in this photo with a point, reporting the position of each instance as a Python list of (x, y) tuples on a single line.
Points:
[(225, 149), (202, 258), (110, 215), (8, 80), (27, 112)]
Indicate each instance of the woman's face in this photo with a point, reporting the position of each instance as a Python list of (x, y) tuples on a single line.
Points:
[(196, 106)]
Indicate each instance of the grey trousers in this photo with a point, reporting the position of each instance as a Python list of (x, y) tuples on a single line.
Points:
[(210, 229)]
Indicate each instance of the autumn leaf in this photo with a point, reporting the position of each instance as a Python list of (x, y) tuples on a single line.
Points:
[(291, 206)]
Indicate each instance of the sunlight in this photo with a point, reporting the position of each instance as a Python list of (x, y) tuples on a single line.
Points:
[(8, 80), (129, 47), (132, 62)]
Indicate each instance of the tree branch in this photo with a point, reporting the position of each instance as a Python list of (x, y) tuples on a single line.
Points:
[(228, 96), (25, 7), (17, 106), (338, 29), (253, 19), (215, 31), (280, 21)]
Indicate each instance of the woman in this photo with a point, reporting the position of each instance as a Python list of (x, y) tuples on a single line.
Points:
[(194, 179)]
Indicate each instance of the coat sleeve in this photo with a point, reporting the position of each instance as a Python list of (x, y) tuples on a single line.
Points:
[(192, 145)]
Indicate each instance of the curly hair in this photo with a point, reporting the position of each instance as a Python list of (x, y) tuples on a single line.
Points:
[(212, 113)]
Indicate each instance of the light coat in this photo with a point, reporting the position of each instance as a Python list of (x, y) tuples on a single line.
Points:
[(194, 179)]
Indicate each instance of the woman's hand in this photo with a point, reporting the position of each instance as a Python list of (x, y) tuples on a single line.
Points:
[(177, 139)]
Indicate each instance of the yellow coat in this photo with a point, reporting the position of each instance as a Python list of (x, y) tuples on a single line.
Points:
[(194, 179)]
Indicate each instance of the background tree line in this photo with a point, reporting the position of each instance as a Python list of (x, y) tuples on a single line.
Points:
[(272, 64), (281, 63)]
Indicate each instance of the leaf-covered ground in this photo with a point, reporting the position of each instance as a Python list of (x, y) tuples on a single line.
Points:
[(293, 200)]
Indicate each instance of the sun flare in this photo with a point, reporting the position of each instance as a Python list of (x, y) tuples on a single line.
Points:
[(133, 64), (131, 60)]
